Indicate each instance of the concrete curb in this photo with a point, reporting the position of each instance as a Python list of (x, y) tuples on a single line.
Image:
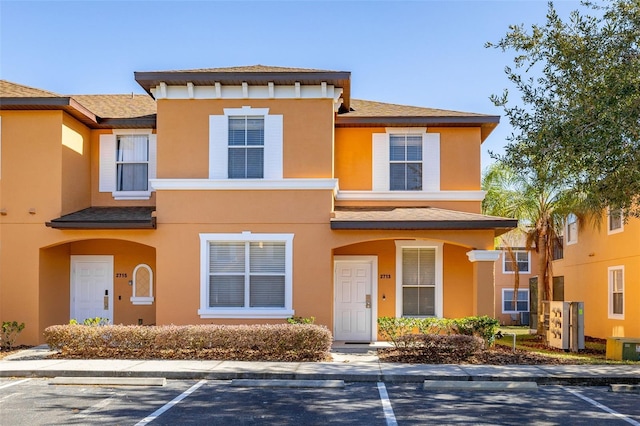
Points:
[(275, 383), (345, 376), (109, 381), (502, 386)]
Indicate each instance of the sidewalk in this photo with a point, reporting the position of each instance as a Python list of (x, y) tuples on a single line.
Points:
[(348, 365)]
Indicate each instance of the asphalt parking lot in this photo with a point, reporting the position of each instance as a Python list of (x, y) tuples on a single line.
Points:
[(211, 402)]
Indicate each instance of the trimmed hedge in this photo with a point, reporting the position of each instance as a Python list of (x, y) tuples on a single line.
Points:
[(272, 342), (439, 348), (395, 329)]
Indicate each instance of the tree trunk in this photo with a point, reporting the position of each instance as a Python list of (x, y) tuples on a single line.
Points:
[(543, 277)]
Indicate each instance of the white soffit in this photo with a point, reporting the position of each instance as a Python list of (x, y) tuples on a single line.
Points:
[(247, 91)]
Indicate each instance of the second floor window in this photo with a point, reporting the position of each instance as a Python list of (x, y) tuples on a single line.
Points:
[(572, 229), (132, 163), (246, 148), (615, 221), (405, 157), (519, 261)]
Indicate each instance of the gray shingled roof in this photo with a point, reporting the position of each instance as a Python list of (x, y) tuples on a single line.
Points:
[(248, 68), (363, 108), (415, 218), (9, 89), (118, 106), (107, 218)]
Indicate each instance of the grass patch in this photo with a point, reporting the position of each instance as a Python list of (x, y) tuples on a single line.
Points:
[(593, 353)]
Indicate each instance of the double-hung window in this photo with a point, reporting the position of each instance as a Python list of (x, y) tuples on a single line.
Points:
[(132, 163), (614, 221), (127, 162), (245, 143), (616, 292), (246, 275), (405, 159), (521, 304), (572, 229), (246, 147), (405, 162), (516, 260), (418, 281)]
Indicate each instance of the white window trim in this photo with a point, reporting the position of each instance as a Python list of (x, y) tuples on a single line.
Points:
[(219, 142), (505, 258), (380, 176), (567, 233), (145, 300), (617, 230), (107, 175), (516, 306), (255, 313), (401, 244), (610, 292)]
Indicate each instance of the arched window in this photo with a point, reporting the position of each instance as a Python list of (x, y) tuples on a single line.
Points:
[(142, 285)]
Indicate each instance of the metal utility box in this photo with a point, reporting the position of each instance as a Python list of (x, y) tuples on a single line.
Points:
[(623, 348), (564, 323)]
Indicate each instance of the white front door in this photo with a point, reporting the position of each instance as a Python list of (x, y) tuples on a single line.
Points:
[(91, 287), (353, 300)]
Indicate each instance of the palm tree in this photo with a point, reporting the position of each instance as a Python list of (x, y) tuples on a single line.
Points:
[(541, 205)]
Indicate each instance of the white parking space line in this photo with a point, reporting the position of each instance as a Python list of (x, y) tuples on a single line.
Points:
[(170, 404), (389, 416), (8, 385), (603, 407)]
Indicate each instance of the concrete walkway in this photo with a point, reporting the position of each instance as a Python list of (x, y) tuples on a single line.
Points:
[(351, 365)]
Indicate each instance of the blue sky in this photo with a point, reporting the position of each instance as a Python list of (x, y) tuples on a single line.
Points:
[(422, 53)]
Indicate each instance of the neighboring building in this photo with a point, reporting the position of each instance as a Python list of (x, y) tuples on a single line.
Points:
[(510, 311), (601, 267), (239, 195)]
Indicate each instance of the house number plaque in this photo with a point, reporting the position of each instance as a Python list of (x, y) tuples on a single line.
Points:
[(385, 276), (121, 275)]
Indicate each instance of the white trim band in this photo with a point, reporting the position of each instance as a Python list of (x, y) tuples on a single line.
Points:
[(411, 195), (244, 184)]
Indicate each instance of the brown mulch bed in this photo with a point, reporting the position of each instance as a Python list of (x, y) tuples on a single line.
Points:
[(6, 352), (497, 355)]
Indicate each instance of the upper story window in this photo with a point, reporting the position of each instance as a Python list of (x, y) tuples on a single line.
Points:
[(572, 229), (405, 168), (246, 147), (245, 143), (615, 222), (520, 261), (406, 159), (132, 163), (127, 162)]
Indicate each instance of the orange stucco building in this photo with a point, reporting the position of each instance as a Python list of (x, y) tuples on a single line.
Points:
[(240, 195), (601, 267)]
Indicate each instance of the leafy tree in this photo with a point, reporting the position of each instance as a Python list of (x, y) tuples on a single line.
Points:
[(579, 116), (541, 203)]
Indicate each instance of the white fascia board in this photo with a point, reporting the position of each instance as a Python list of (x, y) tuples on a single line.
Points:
[(252, 92), (410, 196), (244, 184)]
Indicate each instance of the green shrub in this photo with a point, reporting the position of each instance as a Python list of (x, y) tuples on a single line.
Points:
[(301, 320), (392, 328), (484, 327), (9, 333), (94, 322), (274, 342)]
